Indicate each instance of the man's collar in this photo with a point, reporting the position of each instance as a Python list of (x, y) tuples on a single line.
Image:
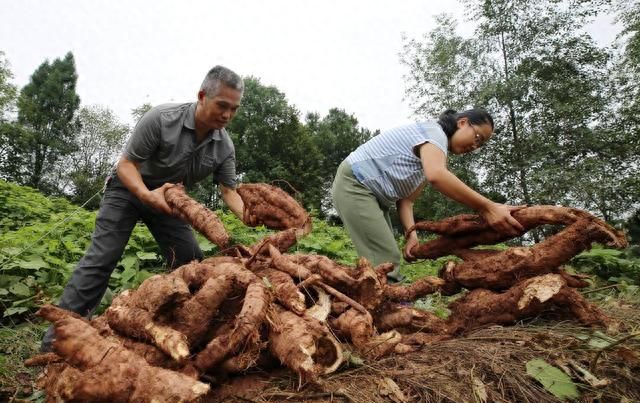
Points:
[(190, 122)]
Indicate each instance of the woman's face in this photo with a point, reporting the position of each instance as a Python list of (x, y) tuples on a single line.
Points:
[(469, 137)]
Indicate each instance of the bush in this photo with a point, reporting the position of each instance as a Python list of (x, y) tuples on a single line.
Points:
[(609, 264)]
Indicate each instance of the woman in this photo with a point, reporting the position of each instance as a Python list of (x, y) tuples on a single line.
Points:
[(394, 167)]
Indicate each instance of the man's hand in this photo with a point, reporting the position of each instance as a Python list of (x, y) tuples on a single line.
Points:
[(499, 217), (155, 199)]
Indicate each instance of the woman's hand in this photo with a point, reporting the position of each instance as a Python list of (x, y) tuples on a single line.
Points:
[(499, 217), (412, 241)]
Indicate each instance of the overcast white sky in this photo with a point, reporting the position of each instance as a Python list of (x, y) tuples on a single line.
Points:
[(320, 53)]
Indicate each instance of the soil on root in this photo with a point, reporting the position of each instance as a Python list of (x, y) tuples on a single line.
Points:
[(489, 361)]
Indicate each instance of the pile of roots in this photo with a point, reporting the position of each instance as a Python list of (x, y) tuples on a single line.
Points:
[(178, 333)]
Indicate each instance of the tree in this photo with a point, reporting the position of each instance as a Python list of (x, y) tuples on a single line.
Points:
[(545, 83), (335, 136), (99, 139), (13, 137), (138, 112), (7, 90), (46, 108), (273, 146)]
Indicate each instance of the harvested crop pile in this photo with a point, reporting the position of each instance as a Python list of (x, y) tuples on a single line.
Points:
[(264, 307)]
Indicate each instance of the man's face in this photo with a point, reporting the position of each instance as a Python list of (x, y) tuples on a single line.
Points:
[(216, 112)]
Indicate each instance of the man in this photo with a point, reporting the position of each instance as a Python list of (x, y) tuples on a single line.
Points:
[(172, 143)]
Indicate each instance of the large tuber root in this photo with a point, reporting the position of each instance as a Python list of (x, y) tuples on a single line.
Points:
[(303, 344), (285, 290), (253, 314), (106, 371), (193, 318), (271, 206), (501, 270), (201, 218), (359, 328), (466, 231), (525, 299), (134, 314)]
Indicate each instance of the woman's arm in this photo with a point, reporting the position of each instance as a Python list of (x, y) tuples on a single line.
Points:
[(498, 215), (405, 212)]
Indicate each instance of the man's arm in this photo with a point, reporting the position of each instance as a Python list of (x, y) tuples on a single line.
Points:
[(129, 175), (233, 200)]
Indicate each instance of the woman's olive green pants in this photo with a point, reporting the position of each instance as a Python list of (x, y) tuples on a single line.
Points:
[(366, 221)]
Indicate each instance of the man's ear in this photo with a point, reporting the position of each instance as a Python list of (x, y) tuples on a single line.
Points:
[(201, 95)]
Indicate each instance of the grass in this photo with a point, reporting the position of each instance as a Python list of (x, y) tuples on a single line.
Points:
[(17, 343)]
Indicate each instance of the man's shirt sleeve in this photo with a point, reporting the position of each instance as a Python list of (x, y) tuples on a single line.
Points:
[(145, 138), (226, 172)]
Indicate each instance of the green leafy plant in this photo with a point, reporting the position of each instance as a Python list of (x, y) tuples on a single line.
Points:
[(609, 264)]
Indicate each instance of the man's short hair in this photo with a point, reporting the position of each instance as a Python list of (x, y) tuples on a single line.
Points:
[(221, 75)]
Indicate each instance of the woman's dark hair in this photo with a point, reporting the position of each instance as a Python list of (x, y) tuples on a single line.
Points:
[(448, 119)]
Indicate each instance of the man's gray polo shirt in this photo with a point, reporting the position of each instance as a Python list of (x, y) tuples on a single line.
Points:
[(164, 142)]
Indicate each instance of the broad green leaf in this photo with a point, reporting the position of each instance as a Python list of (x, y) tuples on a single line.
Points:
[(206, 246), (20, 289), (129, 262), (147, 255), (5, 280), (10, 251), (553, 379), (127, 275), (335, 246), (4, 291), (15, 311), (34, 263), (142, 275)]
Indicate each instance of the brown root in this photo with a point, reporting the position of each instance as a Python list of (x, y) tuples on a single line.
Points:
[(501, 270), (158, 291), (41, 360), (194, 316), (285, 290), (419, 288), (254, 311), (525, 299), (410, 319), (284, 264), (368, 287), (138, 323), (271, 206), (471, 232), (201, 218), (359, 328), (106, 371), (303, 344)]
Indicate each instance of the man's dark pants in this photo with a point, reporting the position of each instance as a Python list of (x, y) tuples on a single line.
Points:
[(119, 212)]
